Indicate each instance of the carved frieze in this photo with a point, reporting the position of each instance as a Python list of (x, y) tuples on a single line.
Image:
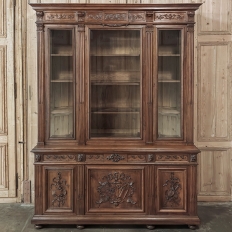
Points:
[(93, 16), (116, 188), (172, 194), (169, 16), (115, 16), (136, 158), (137, 17), (58, 191), (98, 158), (172, 158), (58, 157), (60, 16), (115, 157)]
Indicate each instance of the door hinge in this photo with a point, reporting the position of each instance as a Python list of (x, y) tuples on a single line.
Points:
[(17, 180)]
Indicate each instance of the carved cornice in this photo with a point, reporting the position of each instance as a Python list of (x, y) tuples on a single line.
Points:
[(115, 25)]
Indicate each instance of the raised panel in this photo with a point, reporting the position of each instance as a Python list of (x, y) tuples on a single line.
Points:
[(58, 191), (172, 189), (214, 17), (111, 189), (3, 168), (2, 89), (3, 18), (213, 84), (214, 172)]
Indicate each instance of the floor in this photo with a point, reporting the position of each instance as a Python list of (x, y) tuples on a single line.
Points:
[(215, 217)]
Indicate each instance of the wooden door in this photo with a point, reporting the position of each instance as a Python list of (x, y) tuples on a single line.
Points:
[(7, 104)]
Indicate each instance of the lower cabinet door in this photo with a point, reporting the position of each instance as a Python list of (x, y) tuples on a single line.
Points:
[(58, 196), (114, 189), (172, 188)]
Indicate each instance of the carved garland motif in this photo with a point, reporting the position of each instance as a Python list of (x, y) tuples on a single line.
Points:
[(115, 157), (59, 192), (60, 157), (116, 188), (137, 17), (169, 16), (95, 16), (60, 16), (172, 193), (115, 17)]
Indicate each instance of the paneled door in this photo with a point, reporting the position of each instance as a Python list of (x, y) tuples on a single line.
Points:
[(7, 104)]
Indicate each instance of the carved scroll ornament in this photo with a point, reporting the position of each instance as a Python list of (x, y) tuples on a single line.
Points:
[(169, 16), (115, 157), (116, 188), (60, 16)]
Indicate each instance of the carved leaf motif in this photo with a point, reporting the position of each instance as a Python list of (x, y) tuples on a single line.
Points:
[(169, 16), (172, 157), (115, 17), (97, 17), (172, 193), (116, 188), (60, 16), (136, 17), (59, 192)]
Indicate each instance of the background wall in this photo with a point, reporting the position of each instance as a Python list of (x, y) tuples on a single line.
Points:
[(213, 91)]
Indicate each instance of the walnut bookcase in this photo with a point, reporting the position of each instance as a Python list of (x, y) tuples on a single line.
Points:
[(115, 97)]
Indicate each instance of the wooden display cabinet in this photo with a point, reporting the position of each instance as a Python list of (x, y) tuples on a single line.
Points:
[(115, 95)]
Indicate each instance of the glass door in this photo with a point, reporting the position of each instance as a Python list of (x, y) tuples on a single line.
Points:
[(115, 89), (170, 65), (61, 84)]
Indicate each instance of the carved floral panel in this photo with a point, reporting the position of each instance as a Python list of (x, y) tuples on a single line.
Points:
[(170, 16)]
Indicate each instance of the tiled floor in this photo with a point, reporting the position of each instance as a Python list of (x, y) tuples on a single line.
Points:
[(215, 217)]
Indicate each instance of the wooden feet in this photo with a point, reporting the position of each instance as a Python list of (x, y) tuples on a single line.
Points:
[(150, 227), (192, 227), (80, 227), (38, 227)]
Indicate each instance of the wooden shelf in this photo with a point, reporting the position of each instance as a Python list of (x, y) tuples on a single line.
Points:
[(112, 110), (115, 83), (62, 81), (168, 111), (113, 55), (62, 111), (167, 50), (62, 55), (168, 81)]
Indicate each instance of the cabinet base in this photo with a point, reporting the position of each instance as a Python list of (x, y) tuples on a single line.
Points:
[(80, 227), (38, 226)]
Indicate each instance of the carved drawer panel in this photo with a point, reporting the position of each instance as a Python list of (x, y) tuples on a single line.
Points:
[(58, 190), (113, 189), (172, 189), (170, 17)]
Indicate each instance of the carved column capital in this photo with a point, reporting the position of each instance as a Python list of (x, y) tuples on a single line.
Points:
[(40, 27)]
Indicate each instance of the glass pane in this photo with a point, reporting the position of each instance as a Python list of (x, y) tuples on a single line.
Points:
[(169, 83), (61, 84), (115, 66)]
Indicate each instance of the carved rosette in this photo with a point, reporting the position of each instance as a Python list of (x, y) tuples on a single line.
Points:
[(115, 157), (116, 188), (172, 194), (59, 192), (150, 158), (80, 157), (169, 16)]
